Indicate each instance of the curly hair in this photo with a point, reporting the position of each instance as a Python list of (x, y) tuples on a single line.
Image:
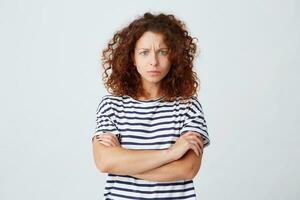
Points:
[(121, 77)]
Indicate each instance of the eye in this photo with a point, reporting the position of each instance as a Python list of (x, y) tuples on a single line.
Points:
[(143, 53), (163, 52)]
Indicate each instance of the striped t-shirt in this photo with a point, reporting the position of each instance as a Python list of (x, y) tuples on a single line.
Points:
[(148, 124)]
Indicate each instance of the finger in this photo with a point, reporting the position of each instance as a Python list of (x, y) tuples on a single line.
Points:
[(108, 141), (190, 133), (197, 139), (195, 133), (200, 141), (186, 134), (109, 144), (200, 150), (112, 137), (197, 147), (98, 138), (105, 143), (194, 148)]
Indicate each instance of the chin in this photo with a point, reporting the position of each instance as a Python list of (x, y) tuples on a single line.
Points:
[(154, 80)]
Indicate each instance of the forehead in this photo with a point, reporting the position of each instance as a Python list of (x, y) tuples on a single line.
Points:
[(149, 39)]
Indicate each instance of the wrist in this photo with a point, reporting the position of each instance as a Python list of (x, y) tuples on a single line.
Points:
[(168, 153)]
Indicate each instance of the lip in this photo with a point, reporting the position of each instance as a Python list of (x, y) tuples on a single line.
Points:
[(154, 72)]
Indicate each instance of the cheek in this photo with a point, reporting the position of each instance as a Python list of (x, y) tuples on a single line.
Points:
[(140, 62), (168, 69), (167, 66), (140, 69)]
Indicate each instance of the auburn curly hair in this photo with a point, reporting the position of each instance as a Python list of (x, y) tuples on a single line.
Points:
[(121, 77)]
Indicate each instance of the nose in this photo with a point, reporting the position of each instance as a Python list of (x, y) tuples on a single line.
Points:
[(153, 59)]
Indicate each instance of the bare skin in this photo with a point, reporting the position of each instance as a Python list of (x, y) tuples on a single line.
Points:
[(151, 54), (185, 167)]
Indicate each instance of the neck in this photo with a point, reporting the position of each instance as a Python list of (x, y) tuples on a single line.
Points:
[(151, 92)]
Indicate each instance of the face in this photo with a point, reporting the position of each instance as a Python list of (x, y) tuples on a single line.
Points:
[(151, 58)]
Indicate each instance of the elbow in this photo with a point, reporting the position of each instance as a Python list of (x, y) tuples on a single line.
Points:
[(100, 161), (103, 163), (186, 174), (191, 175), (102, 167), (192, 172)]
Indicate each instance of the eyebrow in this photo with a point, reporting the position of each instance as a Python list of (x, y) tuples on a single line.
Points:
[(157, 49)]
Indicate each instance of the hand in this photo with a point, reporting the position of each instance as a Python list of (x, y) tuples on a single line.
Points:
[(189, 140), (108, 139)]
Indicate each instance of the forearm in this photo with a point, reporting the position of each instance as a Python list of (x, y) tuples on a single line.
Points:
[(123, 161), (169, 172), (182, 169)]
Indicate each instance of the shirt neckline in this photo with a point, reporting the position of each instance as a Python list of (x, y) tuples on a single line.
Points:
[(145, 101)]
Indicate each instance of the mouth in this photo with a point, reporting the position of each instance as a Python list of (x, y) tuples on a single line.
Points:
[(153, 73)]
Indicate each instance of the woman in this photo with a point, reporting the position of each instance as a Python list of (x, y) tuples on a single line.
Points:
[(150, 130)]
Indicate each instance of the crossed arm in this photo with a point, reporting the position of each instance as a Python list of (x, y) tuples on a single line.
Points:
[(152, 165), (185, 168)]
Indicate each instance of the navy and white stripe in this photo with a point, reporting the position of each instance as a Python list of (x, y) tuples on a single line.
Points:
[(151, 124)]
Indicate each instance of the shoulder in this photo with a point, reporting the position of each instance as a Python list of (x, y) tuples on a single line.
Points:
[(195, 101), (104, 102), (192, 100), (110, 98), (192, 104), (112, 101)]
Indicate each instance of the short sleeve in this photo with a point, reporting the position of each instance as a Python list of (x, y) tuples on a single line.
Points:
[(104, 115), (195, 121)]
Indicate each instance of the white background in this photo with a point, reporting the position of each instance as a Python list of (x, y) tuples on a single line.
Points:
[(51, 86)]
